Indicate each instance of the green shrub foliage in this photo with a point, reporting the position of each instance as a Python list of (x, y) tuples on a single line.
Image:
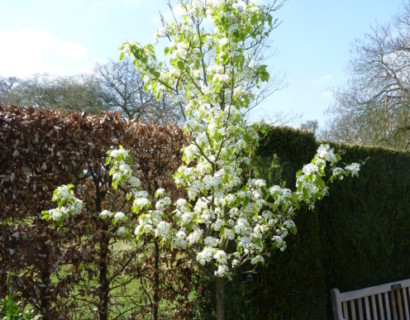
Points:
[(356, 237)]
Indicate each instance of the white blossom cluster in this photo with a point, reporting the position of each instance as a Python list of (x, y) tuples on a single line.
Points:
[(67, 204), (121, 171)]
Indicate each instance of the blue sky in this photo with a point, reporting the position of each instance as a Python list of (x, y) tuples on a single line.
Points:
[(312, 44)]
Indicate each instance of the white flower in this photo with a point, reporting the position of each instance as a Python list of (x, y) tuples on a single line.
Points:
[(162, 204), (121, 231), (119, 152), (242, 226), (64, 193), (141, 194), (205, 255), (106, 214), (186, 217), (289, 224), (140, 203), (218, 224), (223, 41), (353, 168), (233, 28), (220, 256), (279, 243), (181, 234), (274, 189), (257, 183), (161, 32), (163, 230), (57, 214), (222, 271), (160, 192), (338, 172), (77, 206), (229, 234), (257, 259), (139, 229), (267, 214), (211, 241), (216, 3), (252, 64), (124, 168), (310, 168), (235, 263), (181, 203), (134, 182), (179, 240), (194, 236), (324, 152), (240, 5), (119, 216)]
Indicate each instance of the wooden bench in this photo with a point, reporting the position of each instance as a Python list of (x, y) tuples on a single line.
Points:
[(390, 301)]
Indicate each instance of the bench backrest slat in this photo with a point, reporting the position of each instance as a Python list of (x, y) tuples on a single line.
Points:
[(381, 309), (389, 301), (374, 307), (353, 309), (367, 305), (406, 303)]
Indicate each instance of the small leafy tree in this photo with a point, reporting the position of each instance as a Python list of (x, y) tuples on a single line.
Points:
[(213, 71), (229, 217)]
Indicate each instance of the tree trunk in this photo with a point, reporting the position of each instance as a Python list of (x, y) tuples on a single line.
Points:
[(220, 298), (104, 285), (156, 280), (45, 283), (103, 281)]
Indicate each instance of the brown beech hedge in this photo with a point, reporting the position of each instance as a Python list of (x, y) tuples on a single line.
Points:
[(73, 271)]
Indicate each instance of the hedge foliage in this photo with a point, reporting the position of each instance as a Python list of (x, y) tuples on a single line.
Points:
[(357, 237), (82, 270)]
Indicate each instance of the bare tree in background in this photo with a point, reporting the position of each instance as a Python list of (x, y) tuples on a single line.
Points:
[(6, 86), (374, 107), (79, 93), (115, 86), (310, 126), (124, 92)]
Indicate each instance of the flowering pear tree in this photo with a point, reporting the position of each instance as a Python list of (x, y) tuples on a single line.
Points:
[(213, 69), (228, 218)]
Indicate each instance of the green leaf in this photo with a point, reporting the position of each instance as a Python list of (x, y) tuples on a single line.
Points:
[(254, 19), (181, 65), (225, 58), (45, 215), (293, 230), (270, 20)]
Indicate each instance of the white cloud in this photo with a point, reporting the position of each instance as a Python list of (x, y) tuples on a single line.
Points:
[(26, 51)]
